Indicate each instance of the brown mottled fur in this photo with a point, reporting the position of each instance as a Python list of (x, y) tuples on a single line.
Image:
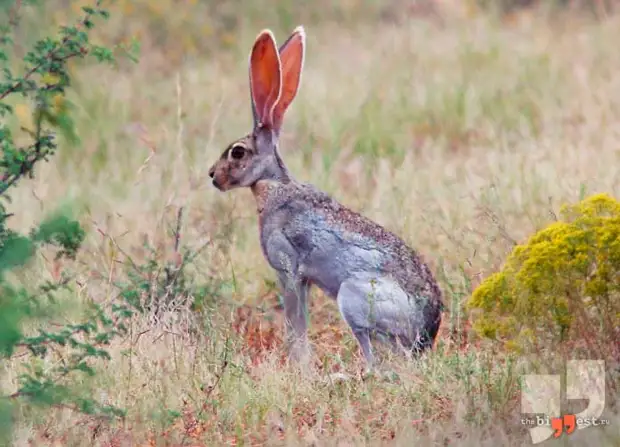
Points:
[(407, 266)]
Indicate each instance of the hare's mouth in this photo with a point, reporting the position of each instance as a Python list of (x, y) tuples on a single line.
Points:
[(217, 185), (226, 185)]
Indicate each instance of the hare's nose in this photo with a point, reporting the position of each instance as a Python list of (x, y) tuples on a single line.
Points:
[(211, 172)]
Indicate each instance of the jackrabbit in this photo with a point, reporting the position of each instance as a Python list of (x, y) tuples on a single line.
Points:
[(382, 287)]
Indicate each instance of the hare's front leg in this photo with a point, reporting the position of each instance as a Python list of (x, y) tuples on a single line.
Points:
[(295, 291), (284, 259)]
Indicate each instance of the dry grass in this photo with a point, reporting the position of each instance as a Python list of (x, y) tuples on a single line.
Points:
[(463, 136)]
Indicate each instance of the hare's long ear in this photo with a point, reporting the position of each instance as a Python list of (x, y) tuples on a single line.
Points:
[(265, 78), (292, 54)]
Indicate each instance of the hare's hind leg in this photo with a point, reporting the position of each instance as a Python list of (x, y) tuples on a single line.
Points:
[(375, 305), (354, 312)]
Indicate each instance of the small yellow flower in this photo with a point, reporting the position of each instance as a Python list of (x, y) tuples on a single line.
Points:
[(23, 112), (58, 102), (50, 79)]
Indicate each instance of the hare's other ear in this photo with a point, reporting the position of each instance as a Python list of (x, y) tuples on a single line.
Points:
[(292, 54), (265, 78)]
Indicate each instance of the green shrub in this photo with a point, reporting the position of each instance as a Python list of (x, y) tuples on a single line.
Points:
[(560, 290), (38, 87)]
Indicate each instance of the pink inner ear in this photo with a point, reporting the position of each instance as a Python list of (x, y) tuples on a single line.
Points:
[(292, 60), (265, 77)]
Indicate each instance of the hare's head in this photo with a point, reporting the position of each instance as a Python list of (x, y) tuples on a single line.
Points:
[(274, 80)]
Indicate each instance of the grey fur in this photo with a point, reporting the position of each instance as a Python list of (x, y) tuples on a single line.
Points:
[(381, 285)]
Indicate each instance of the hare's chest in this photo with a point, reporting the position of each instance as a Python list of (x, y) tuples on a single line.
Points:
[(274, 245), (264, 232), (285, 243)]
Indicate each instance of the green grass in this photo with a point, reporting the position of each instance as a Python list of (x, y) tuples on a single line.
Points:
[(462, 137)]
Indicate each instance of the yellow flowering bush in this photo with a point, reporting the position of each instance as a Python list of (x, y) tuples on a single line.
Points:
[(561, 289)]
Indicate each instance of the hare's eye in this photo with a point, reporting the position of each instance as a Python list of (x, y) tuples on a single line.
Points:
[(237, 152)]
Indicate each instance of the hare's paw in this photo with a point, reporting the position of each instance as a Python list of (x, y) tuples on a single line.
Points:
[(338, 377), (380, 374), (300, 353)]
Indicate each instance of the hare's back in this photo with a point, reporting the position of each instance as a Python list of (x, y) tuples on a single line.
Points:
[(335, 244)]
